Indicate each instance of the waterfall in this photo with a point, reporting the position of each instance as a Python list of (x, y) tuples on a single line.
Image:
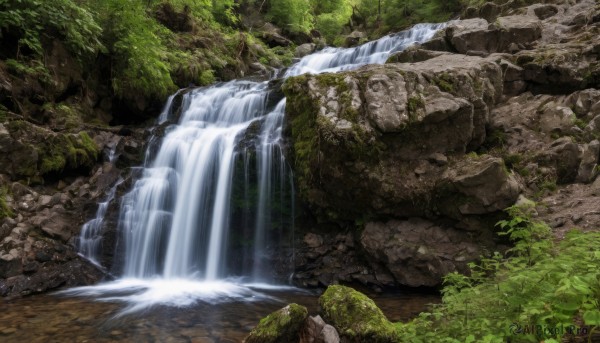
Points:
[(215, 198)]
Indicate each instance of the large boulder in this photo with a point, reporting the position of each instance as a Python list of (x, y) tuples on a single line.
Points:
[(281, 326), (355, 316), (472, 36), (376, 141)]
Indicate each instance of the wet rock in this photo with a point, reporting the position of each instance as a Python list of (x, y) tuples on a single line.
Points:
[(313, 240), (355, 316), (10, 266), (418, 252), (74, 272), (305, 49), (282, 326), (355, 38)]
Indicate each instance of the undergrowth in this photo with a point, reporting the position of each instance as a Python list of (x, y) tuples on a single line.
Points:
[(540, 291)]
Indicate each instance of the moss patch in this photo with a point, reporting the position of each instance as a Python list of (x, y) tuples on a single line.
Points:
[(444, 83), (355, 316), (413, 105), (5, 211), (67, 151), (281, 326)]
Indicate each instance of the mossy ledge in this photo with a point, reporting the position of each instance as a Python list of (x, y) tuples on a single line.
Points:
[(56, 152)]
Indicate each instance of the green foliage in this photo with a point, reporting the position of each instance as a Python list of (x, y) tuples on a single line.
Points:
[(33, 68), (540, 284), (291, 15), (134, 41), (393, 15), (331, 17), (36, 19)]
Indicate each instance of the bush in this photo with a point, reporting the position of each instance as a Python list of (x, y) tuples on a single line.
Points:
[(550, 288), (32, 20)]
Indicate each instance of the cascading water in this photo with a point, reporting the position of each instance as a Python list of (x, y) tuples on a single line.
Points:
[(216, 197), (90, 238)]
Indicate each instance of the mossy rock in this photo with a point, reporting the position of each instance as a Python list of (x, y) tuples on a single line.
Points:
[(281, 326), (68, 152), (355, 316)]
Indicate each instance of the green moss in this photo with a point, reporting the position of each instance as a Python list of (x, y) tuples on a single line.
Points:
[(303, 113), (281, 326), (444, 82), (67, 151), (5, 211), (413, 104), (355, 316), (512, 160)]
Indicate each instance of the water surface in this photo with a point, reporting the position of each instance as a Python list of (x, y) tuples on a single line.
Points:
[(52, 318)]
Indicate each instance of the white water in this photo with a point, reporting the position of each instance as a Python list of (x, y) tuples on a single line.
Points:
[(91, 238), (179, 219)]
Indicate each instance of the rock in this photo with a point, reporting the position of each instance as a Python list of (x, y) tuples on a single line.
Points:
[(513, 78), (386, 120), (545, 11), (10, 266), (57, 224), (355, 38), (71, 273), (312, 330), (593, 127), (5, 139), (556, 119), (490, 11), (469, 34), (329, 335), (313, 240), (589, 161), (565, 156), (518, 29), (418, 252), (476, 187), (584, 102), (272, 36), (355, 316), (438, 159), (478, 35), (305, 49), (413, 54), (282, 326), (595, 187)]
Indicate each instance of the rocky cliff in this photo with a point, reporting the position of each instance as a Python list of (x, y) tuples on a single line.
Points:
[(403, 169)]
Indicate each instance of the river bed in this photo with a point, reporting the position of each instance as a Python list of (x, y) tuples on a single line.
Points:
[(56, 318)]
